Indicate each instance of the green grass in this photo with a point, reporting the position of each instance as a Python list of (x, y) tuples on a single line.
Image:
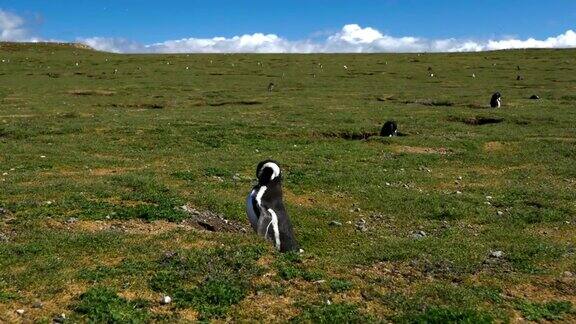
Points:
[(121, 152)]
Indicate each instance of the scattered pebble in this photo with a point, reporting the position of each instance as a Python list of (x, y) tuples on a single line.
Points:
[(488, 197), (458, 192), (42, 156), (496, 254), (166, 300), (60, 318), (20, 311), (567, 274), (361, 225), (301, 251), (418, 234), (328, 302), (459, 178), (500, 213), (3, 211), (335, 223), (37, 304)]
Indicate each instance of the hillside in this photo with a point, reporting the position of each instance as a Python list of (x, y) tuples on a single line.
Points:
[(469, 215)]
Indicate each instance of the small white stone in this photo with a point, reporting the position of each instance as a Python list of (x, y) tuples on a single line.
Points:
[(496, 254), (328, 302), (458, 192), (488, 197), (301, 251), (500, 213), (166, 300), (459, 178), (42, 156), (20, 311)]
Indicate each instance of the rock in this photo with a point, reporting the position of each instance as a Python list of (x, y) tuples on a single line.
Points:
[(236, 177), (166, 300), (3, 211), (418, 234), (301, 251), (60, 318), (567, 274), (458, 192), (3, 237), (37, 304), (335, 223), (496, 254), (328, 302), (500, 213), (20, 311), (488, 197), (361, 225), (459, 178)]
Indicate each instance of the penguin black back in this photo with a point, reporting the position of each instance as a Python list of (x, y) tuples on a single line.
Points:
[(495, 101), (389, 129)]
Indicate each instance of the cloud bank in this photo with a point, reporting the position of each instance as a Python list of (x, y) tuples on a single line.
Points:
[(351, 38)]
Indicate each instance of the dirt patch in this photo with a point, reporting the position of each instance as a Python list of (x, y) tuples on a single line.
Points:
[(351, 135), (476, 121), (493, 146), (240, 102), (430, 102), (140, 106), (420, 150), (210, 221), (91, 92)]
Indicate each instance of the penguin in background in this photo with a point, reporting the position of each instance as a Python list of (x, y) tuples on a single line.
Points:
[(495, 101), (265, 208), (389, 129)]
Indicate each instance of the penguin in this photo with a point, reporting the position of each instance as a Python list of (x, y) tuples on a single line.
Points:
[(265, 208), (495, 101), (389, 129), (270, 87)]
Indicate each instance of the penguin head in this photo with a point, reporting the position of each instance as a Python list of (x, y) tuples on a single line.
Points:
[(497, 95), (268, 171)]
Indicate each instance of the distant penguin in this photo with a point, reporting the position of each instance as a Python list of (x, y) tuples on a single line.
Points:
[(495, 101), (270, 87), (519, 78), (389, 129), (534, 97), (265, 208)]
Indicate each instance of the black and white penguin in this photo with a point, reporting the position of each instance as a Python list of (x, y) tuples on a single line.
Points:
[(271, 87), (389, 129), (495, 101), (265, 208)]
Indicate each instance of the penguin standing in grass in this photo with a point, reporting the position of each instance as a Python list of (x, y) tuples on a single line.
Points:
[(496, 101), (389, 129), (265, 208)]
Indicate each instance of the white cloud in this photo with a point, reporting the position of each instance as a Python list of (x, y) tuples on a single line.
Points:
[(13, 28), (350, 39)]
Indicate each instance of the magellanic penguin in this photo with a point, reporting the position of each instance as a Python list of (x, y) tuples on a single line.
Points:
[(495, 101), (265, 208), (389, 129)]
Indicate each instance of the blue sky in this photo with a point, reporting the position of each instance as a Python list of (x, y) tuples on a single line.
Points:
[(147, 21)]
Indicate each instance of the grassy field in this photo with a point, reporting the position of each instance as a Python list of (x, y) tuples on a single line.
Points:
[(98, 152)]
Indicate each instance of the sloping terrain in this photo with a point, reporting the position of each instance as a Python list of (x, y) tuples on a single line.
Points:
[(469, 216)]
